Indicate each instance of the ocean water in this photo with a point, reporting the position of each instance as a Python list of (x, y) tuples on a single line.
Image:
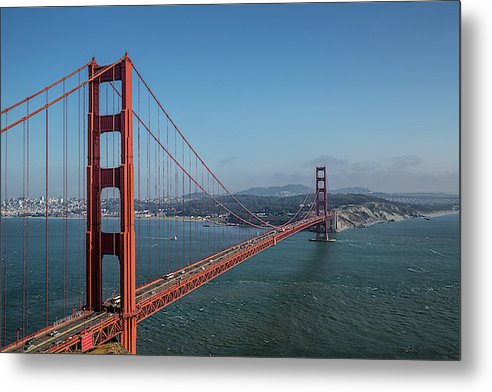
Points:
[(389, 291)]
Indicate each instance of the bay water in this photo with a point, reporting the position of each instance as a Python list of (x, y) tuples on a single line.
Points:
[(388, 291)]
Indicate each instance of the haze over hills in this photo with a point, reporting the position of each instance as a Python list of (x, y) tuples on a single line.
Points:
[(353, 210), (278, 191), (407, 198), (353, 189)]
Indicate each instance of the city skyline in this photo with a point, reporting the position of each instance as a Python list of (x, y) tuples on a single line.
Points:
[(375, 86)]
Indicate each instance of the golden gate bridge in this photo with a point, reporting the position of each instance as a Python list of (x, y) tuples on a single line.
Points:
[(134, 155)]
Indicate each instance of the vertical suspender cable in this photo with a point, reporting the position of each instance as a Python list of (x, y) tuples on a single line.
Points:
[(84, 136), (166, 200), (3, 258), (219, 237), (109, 227), (168, 183), (24, 228), (202, 237), (119, 161), (190, 214), (46, 205), (113, 134), (90, 157), (27, 224), (27, 221), (216, 208), (216, 213), (213, 216), (63, 200), (223, 220), (149, 243), (183, 206), (79, 232), (197, 211), (158, 194), (176, 201), (139, 259), (99, 190), (5, 231), (65, 194)]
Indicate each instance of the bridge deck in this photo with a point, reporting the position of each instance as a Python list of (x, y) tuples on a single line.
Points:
[(99, 327)]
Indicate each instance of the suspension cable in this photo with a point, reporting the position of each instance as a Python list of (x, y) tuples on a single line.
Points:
[(196, 182), (191, 177), (45, 89), (107, 68), (46, 309), (198, 156)]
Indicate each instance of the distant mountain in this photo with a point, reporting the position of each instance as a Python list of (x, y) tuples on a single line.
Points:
[(279, 191), (353, 189), (356, 194), (431, 199)]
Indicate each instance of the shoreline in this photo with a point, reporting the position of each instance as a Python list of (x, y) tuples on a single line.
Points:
[(429, 215), (212, 223), (440, 213)]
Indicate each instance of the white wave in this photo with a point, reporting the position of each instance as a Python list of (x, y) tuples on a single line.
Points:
[(437, 253), (417, 271)]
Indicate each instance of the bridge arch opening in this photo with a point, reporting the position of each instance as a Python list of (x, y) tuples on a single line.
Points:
[(111, 210), (110, 96), (110, 143)]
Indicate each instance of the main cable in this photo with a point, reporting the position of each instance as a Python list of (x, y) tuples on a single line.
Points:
[(107, 68), (198, 156)]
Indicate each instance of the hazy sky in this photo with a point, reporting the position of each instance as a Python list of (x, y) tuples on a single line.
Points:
[(266, 92)]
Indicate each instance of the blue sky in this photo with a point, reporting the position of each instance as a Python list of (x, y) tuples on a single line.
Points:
[(265, 92)]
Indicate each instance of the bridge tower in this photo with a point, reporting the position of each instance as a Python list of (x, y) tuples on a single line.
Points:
[(99, 243), (321, 204)]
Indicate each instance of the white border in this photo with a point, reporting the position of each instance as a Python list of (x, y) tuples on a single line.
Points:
[(84, 373)]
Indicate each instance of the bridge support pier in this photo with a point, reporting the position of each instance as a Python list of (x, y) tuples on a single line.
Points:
[(324, 227), (99, 243)]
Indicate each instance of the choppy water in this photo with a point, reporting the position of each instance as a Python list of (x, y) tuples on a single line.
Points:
[(388, 291)]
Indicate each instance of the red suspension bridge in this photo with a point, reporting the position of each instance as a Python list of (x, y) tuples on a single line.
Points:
[(139, 253)]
